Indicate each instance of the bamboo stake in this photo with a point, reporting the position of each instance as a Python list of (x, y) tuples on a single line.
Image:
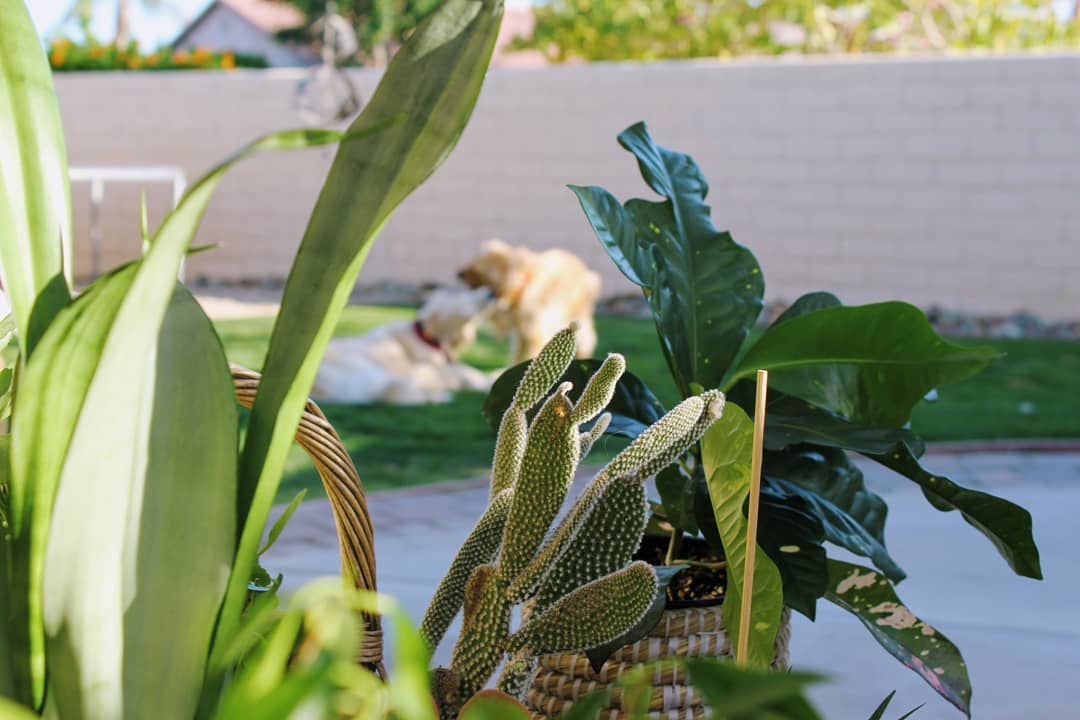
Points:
[(743, 645)]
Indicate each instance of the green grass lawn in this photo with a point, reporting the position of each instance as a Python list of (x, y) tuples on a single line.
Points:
[(1034, 392)]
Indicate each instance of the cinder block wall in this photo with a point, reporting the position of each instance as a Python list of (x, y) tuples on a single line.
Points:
[(953, 181)]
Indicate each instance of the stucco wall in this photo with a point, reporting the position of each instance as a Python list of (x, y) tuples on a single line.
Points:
[(951, 181)]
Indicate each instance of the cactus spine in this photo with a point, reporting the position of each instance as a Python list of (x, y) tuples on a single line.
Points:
[(578, 588)]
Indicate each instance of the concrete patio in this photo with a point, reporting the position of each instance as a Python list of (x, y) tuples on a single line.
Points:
[(1020, 638)]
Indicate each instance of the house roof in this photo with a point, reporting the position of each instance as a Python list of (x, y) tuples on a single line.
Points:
[(270, 16)]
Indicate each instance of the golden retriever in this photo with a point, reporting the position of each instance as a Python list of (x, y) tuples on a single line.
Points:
[(408, 362), (536, 295)]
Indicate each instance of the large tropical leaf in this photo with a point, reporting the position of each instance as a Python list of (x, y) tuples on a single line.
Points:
[(633, 407), (119, 318), (150, 475), (871, 598), (790, 420), (704, 289), (35, 196), (1005, 524), (840, 528), (792, 536), (896, 357), (429, 89), (830, 474), (726, 451)]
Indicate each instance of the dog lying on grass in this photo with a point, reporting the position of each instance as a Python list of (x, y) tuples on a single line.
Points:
[(536, 295), (408, 362)]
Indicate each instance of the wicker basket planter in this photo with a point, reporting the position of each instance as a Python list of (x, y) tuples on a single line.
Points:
[(347, 501), (562, 679)]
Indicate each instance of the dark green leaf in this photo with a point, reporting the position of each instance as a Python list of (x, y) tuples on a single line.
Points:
[(676, 490), (422, 105), (705, 290), (830, 474), (808, 303), (599, 654), (895, 355), (633, 406), (734, 693), (840, 528), (791, 535), (879, 712), (871, 598), (790, 421), (1007, 525)]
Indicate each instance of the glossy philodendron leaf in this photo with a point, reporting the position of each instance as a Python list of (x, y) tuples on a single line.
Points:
[(428, 92), (792, 536), (726, 452), (35, 196), (633, 407), (830, 474), (1005, 524), (840, 528), (894, 357), (150, 475), (96, 340), (871, 598), (791, 421), (705, 290), (734, 693), (678, 494)]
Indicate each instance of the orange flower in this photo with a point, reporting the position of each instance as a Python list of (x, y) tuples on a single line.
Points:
[(56, 58), (152, 60), (97, 51), (201, 55), (181, 57), (135, 62), (228, 60)]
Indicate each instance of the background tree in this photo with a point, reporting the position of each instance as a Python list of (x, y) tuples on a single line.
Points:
[(381, 25), (655, 29)]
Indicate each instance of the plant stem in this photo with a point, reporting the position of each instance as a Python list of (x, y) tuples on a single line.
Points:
[(674, 545)]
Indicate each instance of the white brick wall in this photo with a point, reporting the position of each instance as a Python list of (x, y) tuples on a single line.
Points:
[(953, 181)]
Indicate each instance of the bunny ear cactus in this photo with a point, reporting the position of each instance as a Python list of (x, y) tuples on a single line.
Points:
[(578, 589)]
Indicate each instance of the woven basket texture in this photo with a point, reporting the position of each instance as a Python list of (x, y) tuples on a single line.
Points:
[(561, 679)]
